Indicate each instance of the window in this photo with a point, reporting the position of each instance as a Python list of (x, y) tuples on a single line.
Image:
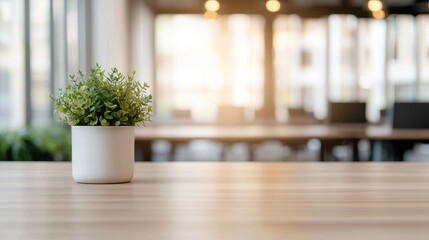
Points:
[(423, 56), (202, 64), (40, 61), (12, 57), (353, 68), (11, 64), (401, 61), (371, 66), (343, 58), (300, 64)]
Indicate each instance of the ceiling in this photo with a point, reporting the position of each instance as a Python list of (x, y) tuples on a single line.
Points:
[(305, 8)]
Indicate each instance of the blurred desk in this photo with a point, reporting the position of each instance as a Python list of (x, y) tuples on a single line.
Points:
[(242, 132), (388, 133), (397, 141), (235, 200), (257, 133), (250, 134)]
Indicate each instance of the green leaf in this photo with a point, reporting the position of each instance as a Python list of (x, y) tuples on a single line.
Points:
[(108, 115), (103, 121)]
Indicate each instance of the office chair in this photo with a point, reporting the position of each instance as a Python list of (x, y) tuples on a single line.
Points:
[(414, 115), (231, 115), (228, 116), (342, 113), (300, 116), (408, 115), (179, 116), (347, 113)]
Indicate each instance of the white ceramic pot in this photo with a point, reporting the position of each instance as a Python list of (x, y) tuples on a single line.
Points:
[(102, 154)]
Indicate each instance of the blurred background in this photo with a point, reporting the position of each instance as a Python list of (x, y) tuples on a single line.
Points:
[(278, 62)]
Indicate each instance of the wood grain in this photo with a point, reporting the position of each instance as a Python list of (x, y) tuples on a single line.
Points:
[(186, 200)]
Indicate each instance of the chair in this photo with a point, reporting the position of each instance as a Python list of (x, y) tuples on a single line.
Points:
[(179, 116), (182, 115), (261, 117), (383, 116), (345, 113), (231, 115), (300, 116), (408, 115)]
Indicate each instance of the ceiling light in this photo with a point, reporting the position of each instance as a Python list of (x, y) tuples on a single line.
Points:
[(212, 5), (375, 5), (379, 14), (273, 5)]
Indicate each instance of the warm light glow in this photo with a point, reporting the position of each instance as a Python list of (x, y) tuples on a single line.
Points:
[(210, 15), (273, 5), (379, 14), (212, 5), (375, 5)]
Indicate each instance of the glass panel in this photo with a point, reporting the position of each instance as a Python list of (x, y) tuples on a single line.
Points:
[(202, 64), (40, 61), (72, 36), (11, 63), (423, 58), (356, 63), (401, 61), (343, 58), (66, 52), (300, 65), (371, 66), (59, 63)]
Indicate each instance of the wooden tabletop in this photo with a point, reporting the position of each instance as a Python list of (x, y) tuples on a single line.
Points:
[(186, 200)]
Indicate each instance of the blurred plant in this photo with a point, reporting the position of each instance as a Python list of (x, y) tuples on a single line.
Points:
[(44, 144), (101, 99)]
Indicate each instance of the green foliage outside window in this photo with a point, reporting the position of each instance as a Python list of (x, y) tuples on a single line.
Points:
[(36, 144)]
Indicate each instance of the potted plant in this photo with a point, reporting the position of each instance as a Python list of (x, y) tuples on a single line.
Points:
[(103, 109)]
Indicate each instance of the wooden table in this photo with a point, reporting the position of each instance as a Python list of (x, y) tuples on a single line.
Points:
[(285, 133), (218, 200), (387, 133)]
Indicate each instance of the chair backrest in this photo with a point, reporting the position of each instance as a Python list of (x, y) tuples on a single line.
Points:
[(300, 116), (384, 116), (297, 113), (182, 114), (347, 112), (410, 115), (231, 115)]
